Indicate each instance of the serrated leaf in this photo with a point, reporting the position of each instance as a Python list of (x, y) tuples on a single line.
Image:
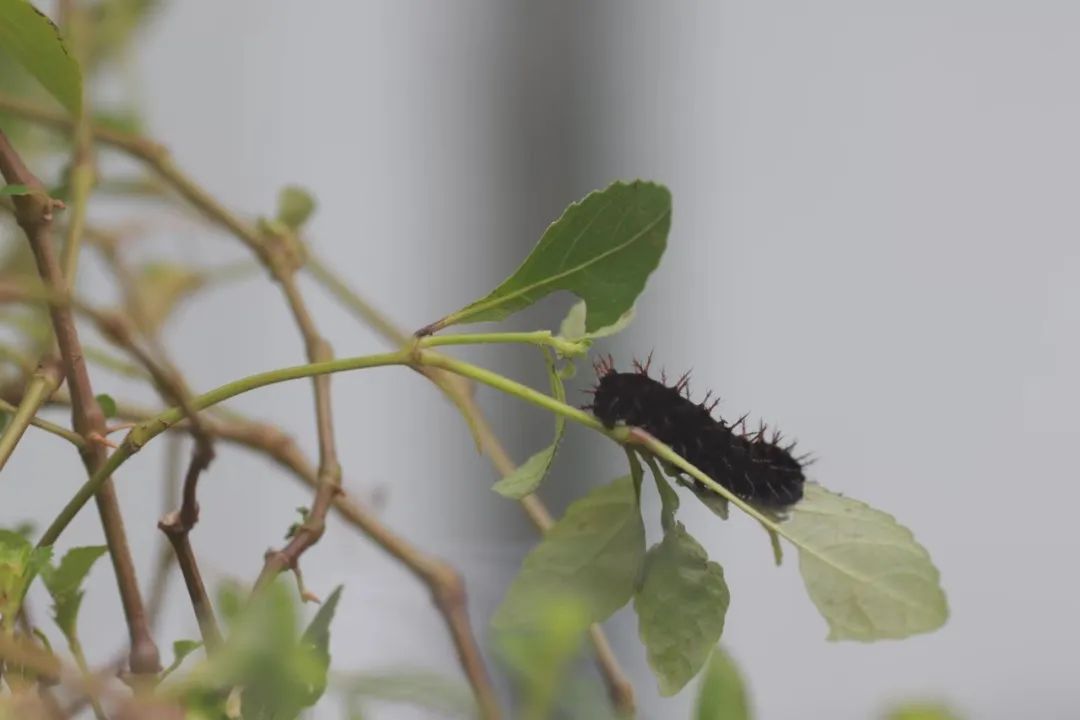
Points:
[(602, 249), (681, 606), (68, 576), (65, 582), (528, 476), (722, 693), (181, 649), (592, 554), (295, 206), (8, 190), (107, 405), (573, 325), (864, 571), (32, 39)]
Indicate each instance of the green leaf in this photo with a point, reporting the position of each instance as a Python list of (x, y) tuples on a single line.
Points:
[(528, 476), (159, 289), (32, 39), (65, 584), (602, 249), (445, 696), (181, 649), (573, 325), (14, 189), (864, 571), (20, 563), (669, 499), (295, 206), (5, 418), (722, 694), (592, 554), (317, 640), (540, 655), (681, 606), (107, 405)]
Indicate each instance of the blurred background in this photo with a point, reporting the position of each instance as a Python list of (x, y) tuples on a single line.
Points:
[(873, 246)]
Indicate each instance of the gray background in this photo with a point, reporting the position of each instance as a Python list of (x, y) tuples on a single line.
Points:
[(873, 245)]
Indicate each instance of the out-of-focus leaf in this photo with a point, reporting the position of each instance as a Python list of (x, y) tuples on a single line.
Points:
[(32, 39), (922, 711), (681, 606), (8, 190), (445, 696), (864, 571), (159, 288), (722, 694), (592, 554), (539, 655), (20, 562), (528, 476), (317, 640), (602, 249)]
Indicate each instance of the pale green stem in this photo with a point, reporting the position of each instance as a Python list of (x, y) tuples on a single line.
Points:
[(42, 384), (72, 437), (541, 338), (148, 430)]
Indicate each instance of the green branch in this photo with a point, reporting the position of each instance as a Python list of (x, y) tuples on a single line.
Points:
[(540, 338)]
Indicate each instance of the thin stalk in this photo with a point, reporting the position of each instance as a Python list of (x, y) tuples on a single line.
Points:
[(540, 338), (41, 386)]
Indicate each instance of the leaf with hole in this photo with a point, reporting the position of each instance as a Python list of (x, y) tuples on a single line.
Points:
[(573, 325), (864, 571), (681, 606), (592, 554), (602, 249), (32, 39)]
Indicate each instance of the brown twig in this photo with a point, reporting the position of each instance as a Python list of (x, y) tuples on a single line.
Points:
[(34, 214)]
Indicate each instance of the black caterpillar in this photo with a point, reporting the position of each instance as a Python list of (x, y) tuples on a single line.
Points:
[(754, 467)]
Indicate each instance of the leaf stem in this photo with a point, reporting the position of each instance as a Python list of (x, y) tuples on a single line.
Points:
[(540, 338)]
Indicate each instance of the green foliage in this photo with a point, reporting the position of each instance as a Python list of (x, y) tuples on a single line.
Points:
[(64, 583), (281, 671), (592, 555), (32, 39), (107, 405), (722, 694), (20, 562), (427, 690), (864, 571), (602, 249), (528, 476), (295, 206), (538, 656), (158, 290), (681, 606), (9, 190)]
